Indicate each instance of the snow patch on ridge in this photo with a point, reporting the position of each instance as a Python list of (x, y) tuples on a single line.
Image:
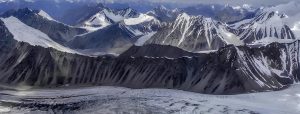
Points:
[(141, 41), (45, 15), (269, 40), (98, 21), (142, 18), (229, 37)]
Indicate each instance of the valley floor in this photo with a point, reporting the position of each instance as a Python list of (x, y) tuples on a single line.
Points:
[(117, 100)]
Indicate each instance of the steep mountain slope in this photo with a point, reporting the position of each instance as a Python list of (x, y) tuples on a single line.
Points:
[(6, 39), (224, 72), (194, 33), (23, 33), (266, 25), (58, 32), (113, 39), (291, 11)]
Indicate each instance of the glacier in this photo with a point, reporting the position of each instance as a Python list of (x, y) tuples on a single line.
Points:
[(107, 99)]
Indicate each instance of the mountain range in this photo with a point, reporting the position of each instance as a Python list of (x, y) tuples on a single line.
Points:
[(232, 50)]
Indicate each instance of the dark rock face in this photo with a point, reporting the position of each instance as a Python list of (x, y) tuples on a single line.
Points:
[(114, 39), (38, 66), (59, 32), (154, 50), (230, 70)]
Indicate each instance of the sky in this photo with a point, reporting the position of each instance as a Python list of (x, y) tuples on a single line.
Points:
[(230, 2), (192, 2)]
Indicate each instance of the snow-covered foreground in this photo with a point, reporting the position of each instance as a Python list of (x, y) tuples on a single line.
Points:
[(117, 100)]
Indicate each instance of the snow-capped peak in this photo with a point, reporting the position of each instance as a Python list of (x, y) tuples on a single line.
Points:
[(184, 16), (96, 22), (106, 17), (267, 24), (291, 11)]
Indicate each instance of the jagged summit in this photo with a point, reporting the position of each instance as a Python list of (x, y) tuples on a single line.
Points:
[(106, 17), (267, 24), (127, 12), (195, 33), (164, 14)]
